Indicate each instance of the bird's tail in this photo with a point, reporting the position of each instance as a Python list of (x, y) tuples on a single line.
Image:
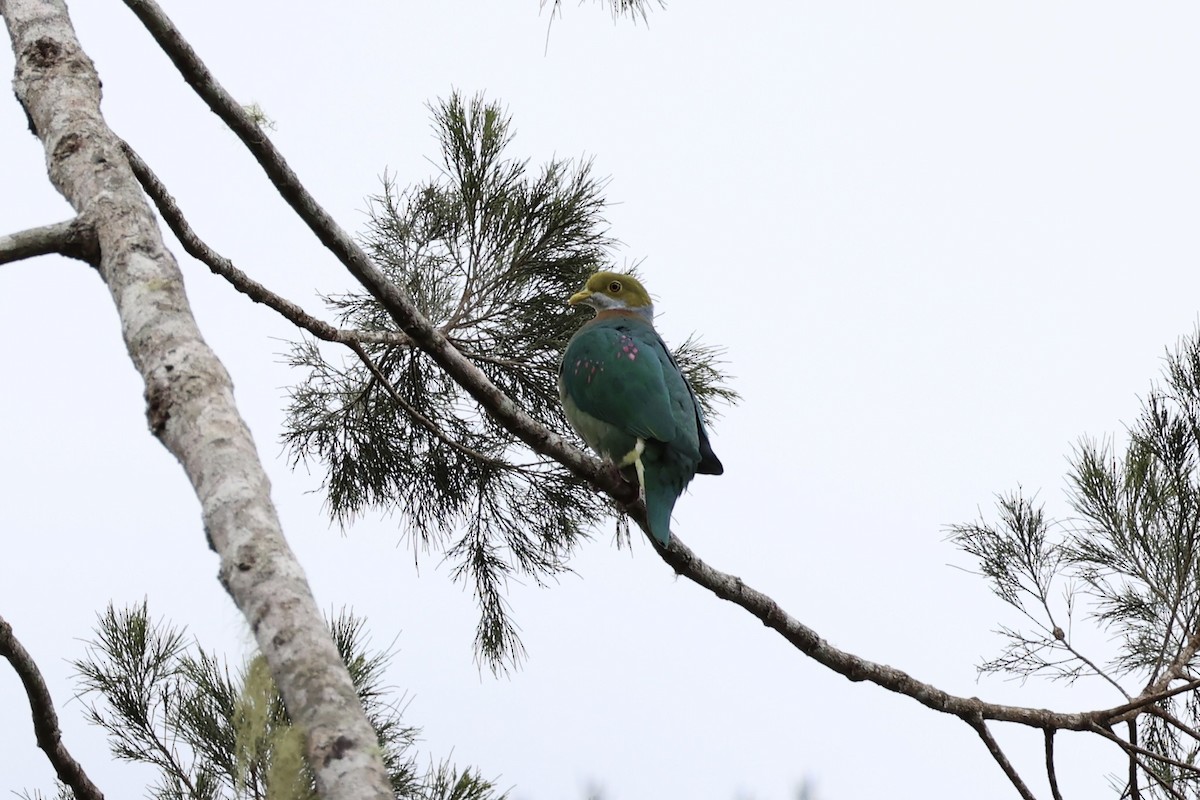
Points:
[(665, 481)]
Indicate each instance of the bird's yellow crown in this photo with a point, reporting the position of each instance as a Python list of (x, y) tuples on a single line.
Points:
[(612, 290)]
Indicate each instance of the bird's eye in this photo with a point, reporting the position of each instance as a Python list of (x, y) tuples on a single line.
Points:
[(614, 287)]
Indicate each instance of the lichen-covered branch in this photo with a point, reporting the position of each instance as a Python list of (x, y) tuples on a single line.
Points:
[(190, 398), (45, 721), (73, 238)]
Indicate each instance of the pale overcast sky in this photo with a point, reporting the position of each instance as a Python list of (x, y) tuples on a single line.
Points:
[(941, 241)]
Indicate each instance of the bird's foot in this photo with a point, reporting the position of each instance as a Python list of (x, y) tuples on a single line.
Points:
[(627, 476)]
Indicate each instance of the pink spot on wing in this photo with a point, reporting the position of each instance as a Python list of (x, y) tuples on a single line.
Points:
[(629, 347)]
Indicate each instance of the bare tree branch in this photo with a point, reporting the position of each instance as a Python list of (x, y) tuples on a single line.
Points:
[(190, 399), (989, 741), (1135, 793), (1051, 773), (74, 238), (734, 589), (45, 720)]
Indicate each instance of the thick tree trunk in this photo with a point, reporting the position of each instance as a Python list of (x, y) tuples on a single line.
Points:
[(189, 398)]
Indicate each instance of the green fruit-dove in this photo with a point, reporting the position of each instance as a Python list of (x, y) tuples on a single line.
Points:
[(624, 395)]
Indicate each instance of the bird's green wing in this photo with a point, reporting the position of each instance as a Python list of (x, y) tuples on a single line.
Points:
[(709, 463), (618, 371)]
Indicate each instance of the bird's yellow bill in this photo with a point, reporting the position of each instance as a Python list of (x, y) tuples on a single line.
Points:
[(579, 297)]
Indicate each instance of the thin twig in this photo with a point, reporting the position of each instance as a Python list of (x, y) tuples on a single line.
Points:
[(1168, 630), (500, 362), (167, 758), (45, 720), (420, 418), (1168, 788), (1139, 703), (1065, 642), (1051, 773), (73, 238), (989, 741), (198, 249), (1170, 719), (1133, 748)]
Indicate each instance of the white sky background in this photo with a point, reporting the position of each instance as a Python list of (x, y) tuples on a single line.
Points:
[(941, 242)]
